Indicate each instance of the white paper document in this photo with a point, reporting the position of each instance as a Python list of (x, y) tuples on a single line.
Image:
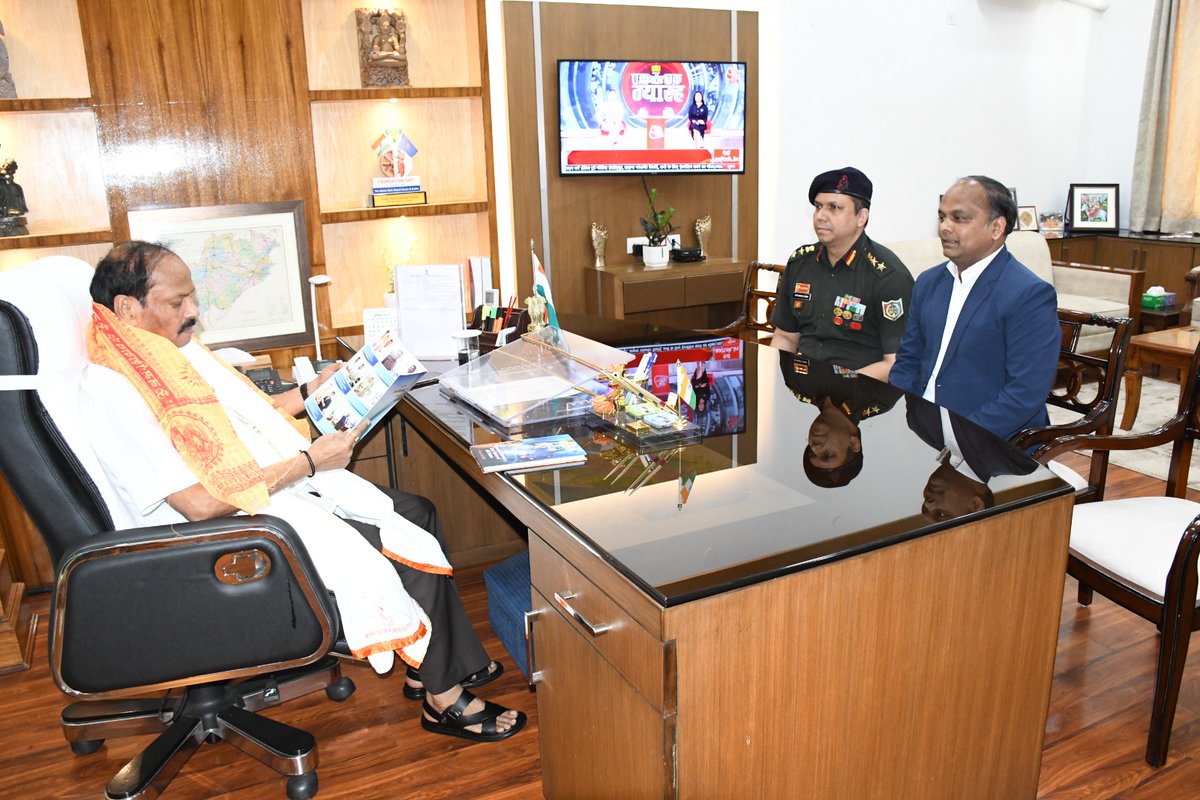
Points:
[(430, 304)]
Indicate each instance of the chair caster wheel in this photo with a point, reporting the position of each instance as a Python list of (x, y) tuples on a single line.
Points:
[(302, 787), (340, 689), (86, 747)]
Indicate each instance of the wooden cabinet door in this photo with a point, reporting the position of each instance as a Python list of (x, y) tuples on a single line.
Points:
[(1166, 265), (1082, 251), (600, 738), (1114, 252)]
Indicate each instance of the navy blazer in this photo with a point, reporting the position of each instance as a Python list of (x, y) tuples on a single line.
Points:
[(1003, 355)]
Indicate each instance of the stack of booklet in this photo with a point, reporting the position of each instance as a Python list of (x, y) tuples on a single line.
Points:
[(538, 452)]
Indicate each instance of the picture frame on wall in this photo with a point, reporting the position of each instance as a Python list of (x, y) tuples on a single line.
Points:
[(1027, 218), (250, 265), (1094, 206)]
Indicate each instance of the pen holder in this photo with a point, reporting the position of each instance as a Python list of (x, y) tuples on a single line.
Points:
[(487, 338)]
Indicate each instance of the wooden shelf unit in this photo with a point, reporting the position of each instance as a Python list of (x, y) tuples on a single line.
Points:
[(446, 115)]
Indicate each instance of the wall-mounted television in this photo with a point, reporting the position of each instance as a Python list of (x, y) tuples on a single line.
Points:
[(622, 117)]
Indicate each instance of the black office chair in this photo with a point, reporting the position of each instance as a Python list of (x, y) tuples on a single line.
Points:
[(182, 630)]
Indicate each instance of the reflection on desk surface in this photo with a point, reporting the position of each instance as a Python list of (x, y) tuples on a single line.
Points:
[(735, 509)]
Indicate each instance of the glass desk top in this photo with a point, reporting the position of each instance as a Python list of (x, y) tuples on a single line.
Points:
[(747, 502)]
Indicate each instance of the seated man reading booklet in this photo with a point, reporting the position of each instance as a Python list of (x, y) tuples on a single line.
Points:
[(183, 435)]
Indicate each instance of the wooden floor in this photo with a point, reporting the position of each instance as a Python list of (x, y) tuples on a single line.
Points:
[(372, 746)]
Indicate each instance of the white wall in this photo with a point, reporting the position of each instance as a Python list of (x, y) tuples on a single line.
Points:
[(1036, 93)]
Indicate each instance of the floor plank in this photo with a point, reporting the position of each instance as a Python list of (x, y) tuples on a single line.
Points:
[(372, 745)]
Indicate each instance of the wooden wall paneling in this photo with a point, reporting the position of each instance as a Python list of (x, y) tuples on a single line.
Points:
[(446, 131), (361, 252), (617, 202), (27, 555), (37, 35), (747, 50), (201, 103), (59, 168), (523, 142), (437, 32), (479, 14)]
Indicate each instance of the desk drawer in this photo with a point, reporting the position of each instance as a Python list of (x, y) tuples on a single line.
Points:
[(718, 287), (652, 295), (640, 657)]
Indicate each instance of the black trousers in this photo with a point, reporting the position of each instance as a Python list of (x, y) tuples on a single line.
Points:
[(454, 650)]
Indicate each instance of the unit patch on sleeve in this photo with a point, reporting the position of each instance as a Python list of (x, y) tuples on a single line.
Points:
[(893, 309)]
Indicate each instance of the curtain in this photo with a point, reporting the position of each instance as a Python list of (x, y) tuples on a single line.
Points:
[(1166, 174)]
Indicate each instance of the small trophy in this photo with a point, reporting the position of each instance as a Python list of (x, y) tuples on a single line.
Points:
[(397, 186), (599, 240), (703, 229)]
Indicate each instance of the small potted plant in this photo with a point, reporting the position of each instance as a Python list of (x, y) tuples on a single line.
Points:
[(658, 227)]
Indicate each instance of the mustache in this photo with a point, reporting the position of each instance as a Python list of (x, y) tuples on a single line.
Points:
[(188, 324)]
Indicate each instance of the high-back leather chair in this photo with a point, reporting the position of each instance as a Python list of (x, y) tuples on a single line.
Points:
[(181, 630)]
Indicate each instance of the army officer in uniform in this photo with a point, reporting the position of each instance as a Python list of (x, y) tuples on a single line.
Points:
[(843, 299)]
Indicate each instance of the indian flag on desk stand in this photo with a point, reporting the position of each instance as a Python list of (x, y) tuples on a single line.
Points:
[(685, 488), (684, 386), (541, 286)]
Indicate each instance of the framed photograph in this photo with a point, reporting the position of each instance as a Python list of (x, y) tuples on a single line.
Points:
[(250, 264), (1027, 218), (1051, 224), (1093, 206)]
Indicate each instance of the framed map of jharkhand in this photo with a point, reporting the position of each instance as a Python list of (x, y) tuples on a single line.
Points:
[(250, 265)]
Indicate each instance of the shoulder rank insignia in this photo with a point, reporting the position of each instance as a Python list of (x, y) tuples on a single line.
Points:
[(876, 263), (803, 250)]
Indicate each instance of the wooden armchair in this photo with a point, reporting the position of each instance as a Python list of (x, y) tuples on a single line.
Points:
[(1141, 552), (757, 303), (1088, 385)]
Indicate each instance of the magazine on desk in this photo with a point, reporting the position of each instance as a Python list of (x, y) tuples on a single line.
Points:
[(366, 387), (558, 450)]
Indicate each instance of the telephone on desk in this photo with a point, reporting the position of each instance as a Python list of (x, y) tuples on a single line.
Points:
[(267, 379)]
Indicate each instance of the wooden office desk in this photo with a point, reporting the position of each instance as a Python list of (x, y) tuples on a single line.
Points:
[(775, 639), (707, 294)]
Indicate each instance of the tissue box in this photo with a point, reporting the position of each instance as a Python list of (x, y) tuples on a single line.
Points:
[(1158, 301)]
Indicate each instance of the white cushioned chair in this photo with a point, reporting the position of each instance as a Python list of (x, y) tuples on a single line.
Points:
[(1141, 553)]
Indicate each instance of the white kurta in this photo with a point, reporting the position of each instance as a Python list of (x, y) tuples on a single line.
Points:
[(145, 469)]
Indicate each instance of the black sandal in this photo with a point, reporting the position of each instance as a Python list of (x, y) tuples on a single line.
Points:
[(485, 675), (452, 721)]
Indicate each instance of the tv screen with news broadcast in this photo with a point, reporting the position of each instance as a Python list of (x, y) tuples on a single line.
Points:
[(717, 372), (622, 117)]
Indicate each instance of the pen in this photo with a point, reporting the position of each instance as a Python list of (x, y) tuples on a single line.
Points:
[(511, 302)]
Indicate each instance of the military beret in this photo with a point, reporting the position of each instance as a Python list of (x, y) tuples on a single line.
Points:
[(846, 180)]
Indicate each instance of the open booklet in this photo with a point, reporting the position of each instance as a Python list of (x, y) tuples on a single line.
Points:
[(366, 387)]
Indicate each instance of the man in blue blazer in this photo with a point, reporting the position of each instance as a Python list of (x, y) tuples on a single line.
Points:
[(983, 335)]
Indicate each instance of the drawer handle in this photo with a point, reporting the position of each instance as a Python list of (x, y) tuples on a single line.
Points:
[(594, 630), (535, 674)]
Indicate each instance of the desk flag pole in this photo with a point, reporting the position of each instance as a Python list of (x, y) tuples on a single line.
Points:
[(541, 286)]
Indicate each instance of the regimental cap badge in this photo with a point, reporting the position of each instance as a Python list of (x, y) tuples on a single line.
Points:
[(844, 183), (893, 309)]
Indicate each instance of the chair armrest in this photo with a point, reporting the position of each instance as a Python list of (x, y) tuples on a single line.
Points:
[(147, 609), (1090, 423), (1169, 431)]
